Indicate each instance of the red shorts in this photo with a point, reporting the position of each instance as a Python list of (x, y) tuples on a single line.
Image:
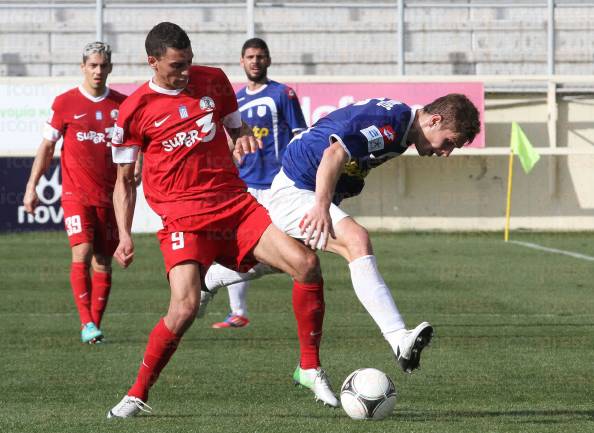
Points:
[(229, 240), (91, 224)]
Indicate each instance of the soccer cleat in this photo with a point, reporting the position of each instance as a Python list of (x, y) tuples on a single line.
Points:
[(205, 297), (412, 343), (232, 321), (317, 380), (91, 334), (128, 407)]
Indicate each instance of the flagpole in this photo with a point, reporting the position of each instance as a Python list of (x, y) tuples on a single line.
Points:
[(509, 193)]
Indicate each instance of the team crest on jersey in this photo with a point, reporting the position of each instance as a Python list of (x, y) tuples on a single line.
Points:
[(183, 111), (207, 103), (98, 115), (261, 110), (113, 114), (388, 133), (375, 139), (290, 93)]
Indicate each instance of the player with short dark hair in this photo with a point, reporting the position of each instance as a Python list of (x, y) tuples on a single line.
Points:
[(178, 120), (328, 163), (272, 111), (84, 117)]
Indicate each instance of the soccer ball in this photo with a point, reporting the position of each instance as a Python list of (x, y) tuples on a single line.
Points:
[(368, 393)]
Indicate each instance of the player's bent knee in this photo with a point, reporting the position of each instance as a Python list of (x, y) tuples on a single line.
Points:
[(308, 269), (358, 243), (181, 316)]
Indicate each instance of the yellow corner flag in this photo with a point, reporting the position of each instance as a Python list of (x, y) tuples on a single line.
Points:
[(520, 145)]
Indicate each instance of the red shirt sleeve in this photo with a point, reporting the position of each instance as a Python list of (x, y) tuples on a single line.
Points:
[(56, 119), (126, 131), (225, 94)]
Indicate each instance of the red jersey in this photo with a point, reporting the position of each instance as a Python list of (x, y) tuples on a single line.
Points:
[(85, 122), (187, 166)]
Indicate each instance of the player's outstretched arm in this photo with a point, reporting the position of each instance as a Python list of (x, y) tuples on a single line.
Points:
[(41, 163), (124, 200), (316, 223)]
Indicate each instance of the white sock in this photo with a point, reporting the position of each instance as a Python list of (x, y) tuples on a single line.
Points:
[(237, 298), (219, 276), (376, 297)]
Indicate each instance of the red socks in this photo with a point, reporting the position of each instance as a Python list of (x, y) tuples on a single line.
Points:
[(81, 284), (308, 305), (100, 294), (90, 302), (161, 346)]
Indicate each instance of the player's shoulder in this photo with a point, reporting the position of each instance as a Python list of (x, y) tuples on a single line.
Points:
[(208, 73), (241, 92), (281, 89), (66, 98), (135, 100)]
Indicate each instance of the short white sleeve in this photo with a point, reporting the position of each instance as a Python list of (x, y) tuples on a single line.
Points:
[(124, 155), (50, 133)]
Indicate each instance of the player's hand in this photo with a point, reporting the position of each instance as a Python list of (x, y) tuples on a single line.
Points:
[(31, 200), (316, 225), (244, 145), (124, 253)]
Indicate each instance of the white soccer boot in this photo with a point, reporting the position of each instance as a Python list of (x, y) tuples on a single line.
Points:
[(205, 297), (128, 407), (317, 380), (412, 342)]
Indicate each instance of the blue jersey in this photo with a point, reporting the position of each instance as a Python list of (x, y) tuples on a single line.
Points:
[(274, 115), (371, 131)]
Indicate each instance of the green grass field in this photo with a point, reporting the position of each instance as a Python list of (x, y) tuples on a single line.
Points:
[(513, 351)]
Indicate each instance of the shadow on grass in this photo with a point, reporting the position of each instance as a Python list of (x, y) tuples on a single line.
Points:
[(550, 416), (524, 416)]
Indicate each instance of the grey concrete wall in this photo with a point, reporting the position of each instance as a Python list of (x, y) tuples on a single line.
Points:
[(308, 41)]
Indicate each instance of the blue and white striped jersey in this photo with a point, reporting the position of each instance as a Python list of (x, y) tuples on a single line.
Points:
[(274, 115), (371, 131)]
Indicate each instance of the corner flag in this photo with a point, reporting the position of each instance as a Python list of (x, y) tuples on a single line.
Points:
[(520, 145)]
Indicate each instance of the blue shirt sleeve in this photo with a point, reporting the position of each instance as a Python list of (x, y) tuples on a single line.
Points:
[(291, 110)]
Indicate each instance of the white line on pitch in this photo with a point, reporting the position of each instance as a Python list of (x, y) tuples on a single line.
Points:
[(554, 250)]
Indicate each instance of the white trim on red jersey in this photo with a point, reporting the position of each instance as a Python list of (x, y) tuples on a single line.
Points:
[(159, 89), (50, 133), (124, 155), (92, 98)]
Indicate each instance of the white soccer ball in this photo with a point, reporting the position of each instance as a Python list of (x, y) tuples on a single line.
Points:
[(368, 393)]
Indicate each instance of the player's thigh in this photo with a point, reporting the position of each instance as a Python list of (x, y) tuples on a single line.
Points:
[(79, 223), (185, 282), (288, 209), (352, 240), (290, 256), (82, 253), (178, 247), (106, 237)]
